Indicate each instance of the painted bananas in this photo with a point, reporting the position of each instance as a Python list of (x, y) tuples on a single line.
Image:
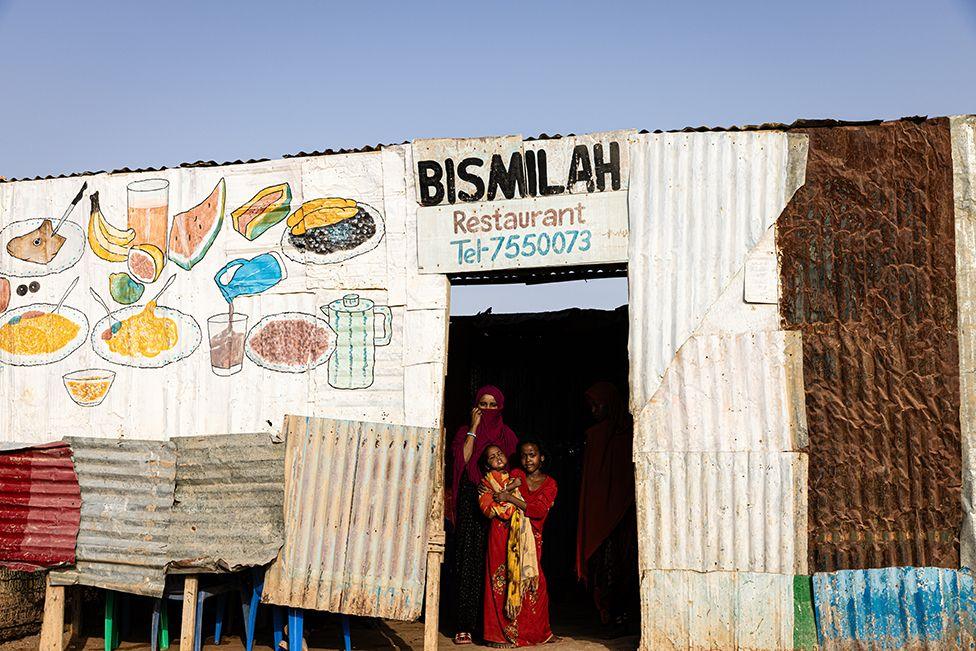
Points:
[(106, 241)]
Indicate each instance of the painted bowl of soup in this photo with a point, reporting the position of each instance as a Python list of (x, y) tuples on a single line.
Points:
[(89, 387)]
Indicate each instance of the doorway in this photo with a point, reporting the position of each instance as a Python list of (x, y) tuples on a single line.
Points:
[(543, 361)]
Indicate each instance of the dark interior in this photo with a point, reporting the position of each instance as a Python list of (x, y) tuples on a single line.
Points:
[(543, 363)]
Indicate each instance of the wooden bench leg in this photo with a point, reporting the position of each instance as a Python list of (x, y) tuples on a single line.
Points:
[(52, 627), (187, 637)]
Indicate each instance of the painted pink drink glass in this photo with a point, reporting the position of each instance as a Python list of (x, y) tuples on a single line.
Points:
[(227, 342)]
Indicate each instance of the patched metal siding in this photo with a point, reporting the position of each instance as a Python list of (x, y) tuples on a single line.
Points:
[(230, 493), (40, 507), (895, 608), (963, 131), (126, 497), (699, 202), (357, 507), (709, 511), (683, 610), (716, 391), (729, 393)]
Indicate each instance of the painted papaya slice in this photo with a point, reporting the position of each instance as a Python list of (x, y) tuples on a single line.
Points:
[(264, 210)]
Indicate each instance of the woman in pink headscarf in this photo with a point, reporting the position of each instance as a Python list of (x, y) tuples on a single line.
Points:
[(471, 527)]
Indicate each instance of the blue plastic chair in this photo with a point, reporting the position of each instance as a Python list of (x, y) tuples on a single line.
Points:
[(296, 628), (175, 593)]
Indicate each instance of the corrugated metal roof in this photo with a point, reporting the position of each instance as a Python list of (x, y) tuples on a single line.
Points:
[(230, 493), (729, 393), (895, 608), (126, 497), (716, 610), (40, 507), (357, 506), (964, 194), (730, 511), (765, 126), (699, 202)]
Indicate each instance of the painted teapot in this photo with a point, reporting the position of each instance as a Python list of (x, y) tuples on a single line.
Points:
[(355, 322)]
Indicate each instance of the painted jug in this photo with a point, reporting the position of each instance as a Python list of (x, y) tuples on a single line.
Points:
[(250, 277), (355, 322)]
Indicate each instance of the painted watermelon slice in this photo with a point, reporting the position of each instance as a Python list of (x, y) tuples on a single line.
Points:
[(195, 230)]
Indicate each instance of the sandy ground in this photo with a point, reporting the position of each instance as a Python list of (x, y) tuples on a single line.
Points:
[(323, 631)]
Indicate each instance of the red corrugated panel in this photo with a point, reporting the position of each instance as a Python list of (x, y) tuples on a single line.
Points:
[(40, 507)]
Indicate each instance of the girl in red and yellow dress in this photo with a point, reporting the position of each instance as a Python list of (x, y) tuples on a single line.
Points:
[(516, 599)]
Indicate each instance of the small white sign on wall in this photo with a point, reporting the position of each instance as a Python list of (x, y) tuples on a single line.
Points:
[(761, 279)]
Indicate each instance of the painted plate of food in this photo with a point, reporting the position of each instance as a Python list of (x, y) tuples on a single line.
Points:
[(32, 335), (290, 342), (327, 231), (30, 248), (146, 336)]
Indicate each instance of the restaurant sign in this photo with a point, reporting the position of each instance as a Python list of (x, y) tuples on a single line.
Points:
[(503, 203)]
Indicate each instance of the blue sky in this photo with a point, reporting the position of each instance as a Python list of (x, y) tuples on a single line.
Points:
[(103, 85)]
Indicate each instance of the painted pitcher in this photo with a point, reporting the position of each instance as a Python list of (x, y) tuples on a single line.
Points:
[(250, 277), (354, 320)]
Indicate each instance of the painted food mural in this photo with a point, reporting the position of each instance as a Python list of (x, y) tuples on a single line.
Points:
[(355, 321), (264, 210), (290, 342), (130, 236), (149, 336), (331, 230), (88, 388), (32, 335), (32, 248)]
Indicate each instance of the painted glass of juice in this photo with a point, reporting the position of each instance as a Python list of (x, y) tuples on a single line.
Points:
[(149, 212)]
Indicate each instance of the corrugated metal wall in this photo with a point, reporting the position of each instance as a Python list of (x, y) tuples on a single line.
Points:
[(40, 507), (357, 509), (126, 496), (734, 393), (720, 421), (229, 502), (699, 202), (868, 276), (708, 511), (716, 610), (964, 192), (896, 608)]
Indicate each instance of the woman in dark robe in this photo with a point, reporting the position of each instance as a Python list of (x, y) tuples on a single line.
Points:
[(471, 526), (606, 538)]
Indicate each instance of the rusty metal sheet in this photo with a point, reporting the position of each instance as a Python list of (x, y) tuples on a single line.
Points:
[(357, 505), (698, 202), (728, 511), (868, 275), (40, 507), (127, 492), (230, 493), (895, 608), (729, 393), (963, 129)]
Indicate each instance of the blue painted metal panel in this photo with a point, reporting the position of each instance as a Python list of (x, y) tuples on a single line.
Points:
[(895, 608)]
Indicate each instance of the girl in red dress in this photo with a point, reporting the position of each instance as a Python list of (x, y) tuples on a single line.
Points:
[(531, 624)]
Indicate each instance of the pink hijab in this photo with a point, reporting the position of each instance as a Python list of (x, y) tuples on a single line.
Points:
[(492, 430)]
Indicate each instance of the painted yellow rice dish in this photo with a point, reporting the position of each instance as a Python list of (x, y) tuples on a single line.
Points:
[(143, 334), (37, 334)]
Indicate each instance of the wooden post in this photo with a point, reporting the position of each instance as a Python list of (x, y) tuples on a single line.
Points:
[(74, 626), (52, 627), (189, 626), (435, 555)]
